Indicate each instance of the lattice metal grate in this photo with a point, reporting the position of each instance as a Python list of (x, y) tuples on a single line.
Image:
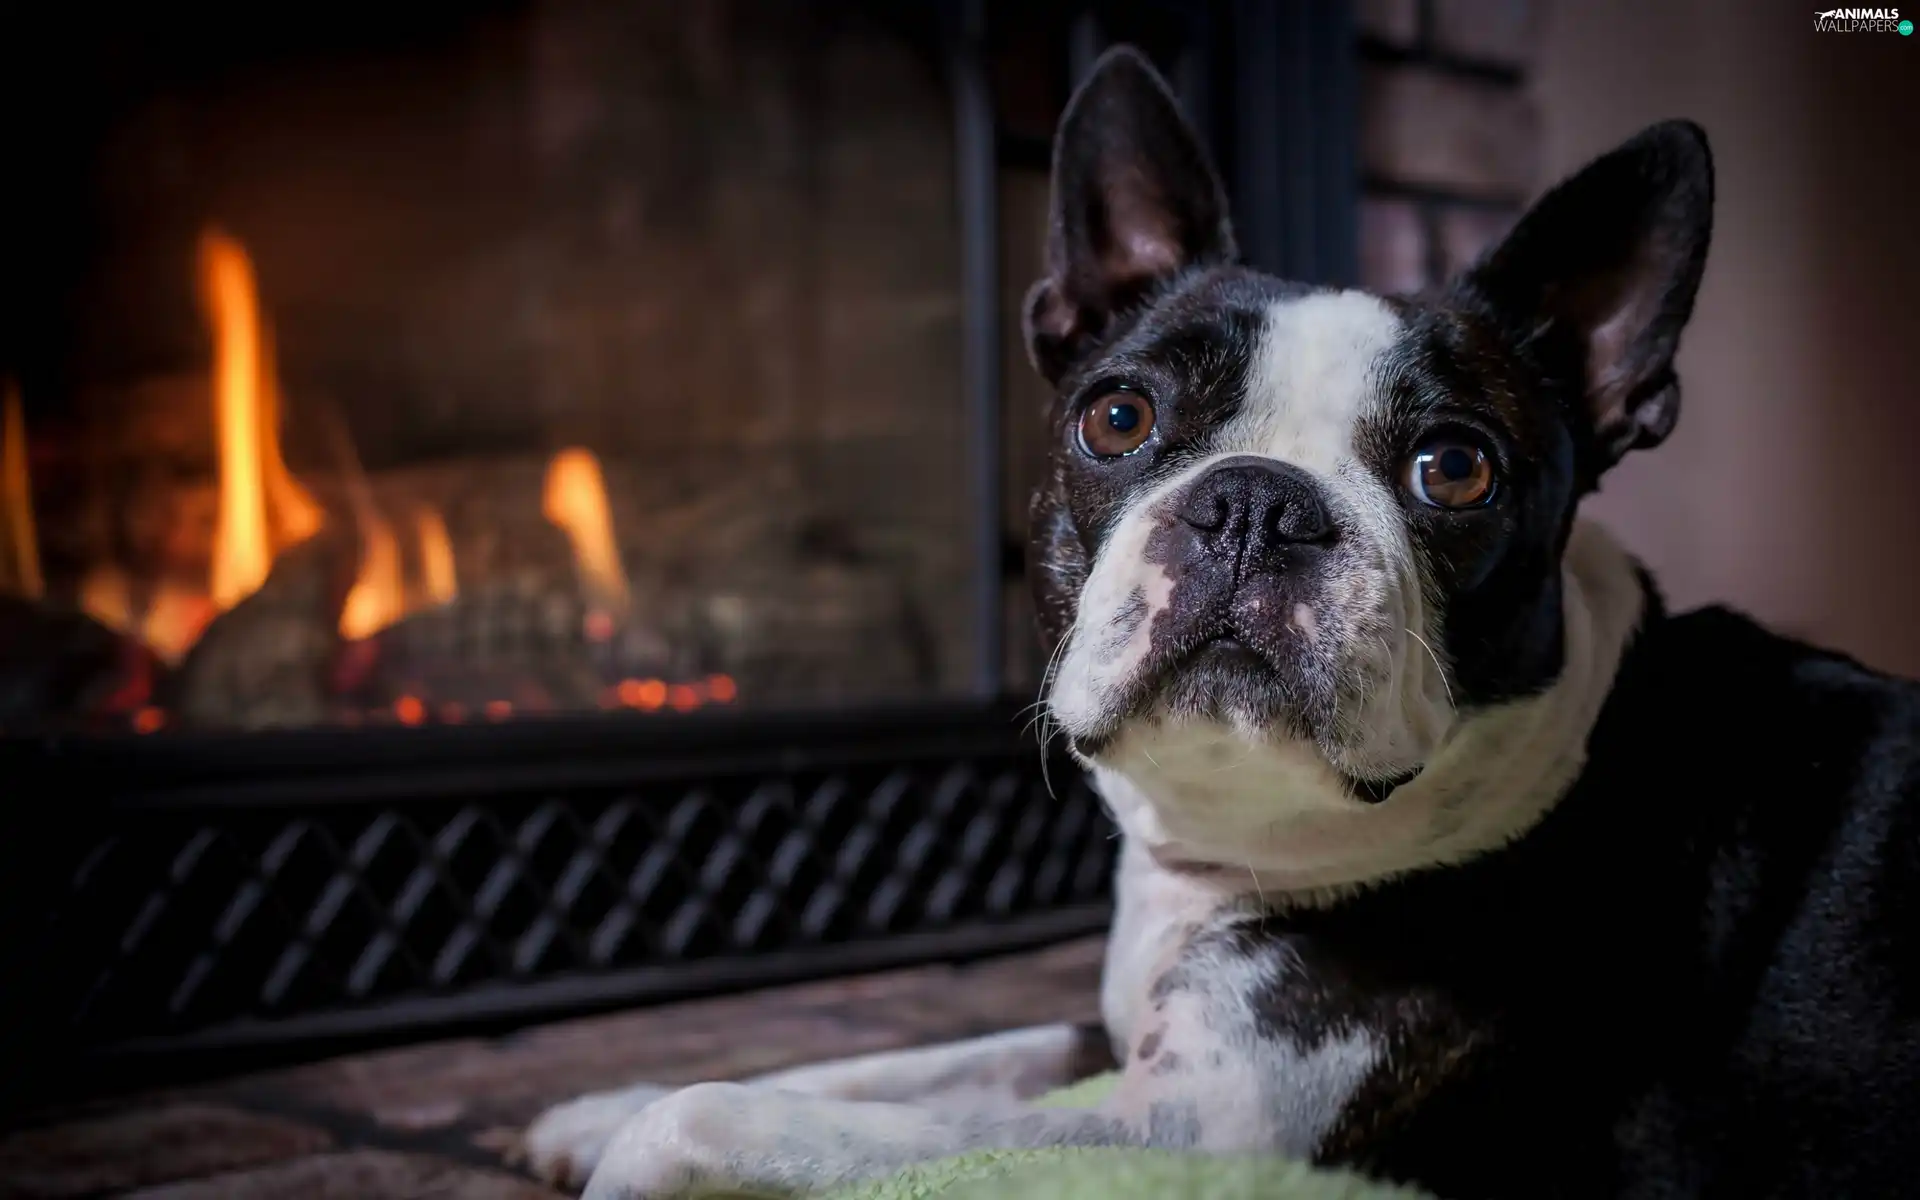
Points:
[(194, 919)]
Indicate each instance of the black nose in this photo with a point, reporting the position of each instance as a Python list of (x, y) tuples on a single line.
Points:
[(1256, 504)]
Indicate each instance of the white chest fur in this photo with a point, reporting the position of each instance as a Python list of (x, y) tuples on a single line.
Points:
[(1269, 815)]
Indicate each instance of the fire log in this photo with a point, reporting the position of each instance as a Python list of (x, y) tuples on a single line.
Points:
[(60, 668), (268, 660), (499, 648)]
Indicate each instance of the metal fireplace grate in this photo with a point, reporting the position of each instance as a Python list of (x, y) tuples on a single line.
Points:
[(246, 894)]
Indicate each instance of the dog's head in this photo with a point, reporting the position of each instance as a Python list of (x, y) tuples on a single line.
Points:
[(1307, 558)]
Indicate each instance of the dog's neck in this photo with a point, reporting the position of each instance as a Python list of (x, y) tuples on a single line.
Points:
[(1269, 819)]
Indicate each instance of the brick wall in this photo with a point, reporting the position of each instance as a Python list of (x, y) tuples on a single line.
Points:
[(1450, 141)]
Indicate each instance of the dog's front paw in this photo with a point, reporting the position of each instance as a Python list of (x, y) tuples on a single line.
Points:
[(685, 1145), (565, 1143)]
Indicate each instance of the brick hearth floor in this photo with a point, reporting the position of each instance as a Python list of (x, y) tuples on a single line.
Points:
[(432, 1120)]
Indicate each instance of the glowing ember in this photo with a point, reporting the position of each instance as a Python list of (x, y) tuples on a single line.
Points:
[(576, 501), (410, 710), (721, 689), (644, 694), (16, 500), (436, 558)]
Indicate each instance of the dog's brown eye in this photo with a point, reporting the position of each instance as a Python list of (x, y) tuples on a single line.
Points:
[(1450, 474), (1117, 423)]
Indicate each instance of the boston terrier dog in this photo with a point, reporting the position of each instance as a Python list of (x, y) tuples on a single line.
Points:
[(1450, 855)]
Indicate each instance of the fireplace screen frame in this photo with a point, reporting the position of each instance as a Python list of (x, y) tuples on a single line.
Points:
[(1273, 88)]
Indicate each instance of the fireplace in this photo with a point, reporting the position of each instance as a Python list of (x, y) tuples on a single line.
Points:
[(517, 506), (551, 359)]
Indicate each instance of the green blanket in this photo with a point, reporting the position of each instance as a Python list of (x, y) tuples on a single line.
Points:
[(1078, 1173)]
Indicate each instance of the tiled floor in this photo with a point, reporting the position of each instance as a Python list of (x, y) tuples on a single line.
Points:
[(432, 1120)]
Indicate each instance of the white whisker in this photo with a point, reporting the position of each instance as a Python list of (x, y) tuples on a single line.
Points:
[(1437, 664), (1043, 715)]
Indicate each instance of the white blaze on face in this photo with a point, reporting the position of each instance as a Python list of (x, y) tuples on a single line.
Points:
[(1320, 372), (1314, 375)]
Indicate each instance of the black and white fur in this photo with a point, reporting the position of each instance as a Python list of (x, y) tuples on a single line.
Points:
[(1449, 854)]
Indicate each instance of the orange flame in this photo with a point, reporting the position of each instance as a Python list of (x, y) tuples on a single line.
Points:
[(576, 501), (176, 616), (261, 508), (379, 596), (299, 517), (436, 557), (241, 554), (170, 621), (104, 597), (254, 481), (16, 498)]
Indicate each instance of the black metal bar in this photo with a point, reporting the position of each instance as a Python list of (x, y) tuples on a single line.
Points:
[(1255, 175), (1194, 73), (253, 1045), (1295, 177), (976, 169), (299, 765), (1085, 41), (644, 985), (1334, 119)]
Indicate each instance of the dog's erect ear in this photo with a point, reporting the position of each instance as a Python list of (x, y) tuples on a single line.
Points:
[(1611, 259), (1135, 200)]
